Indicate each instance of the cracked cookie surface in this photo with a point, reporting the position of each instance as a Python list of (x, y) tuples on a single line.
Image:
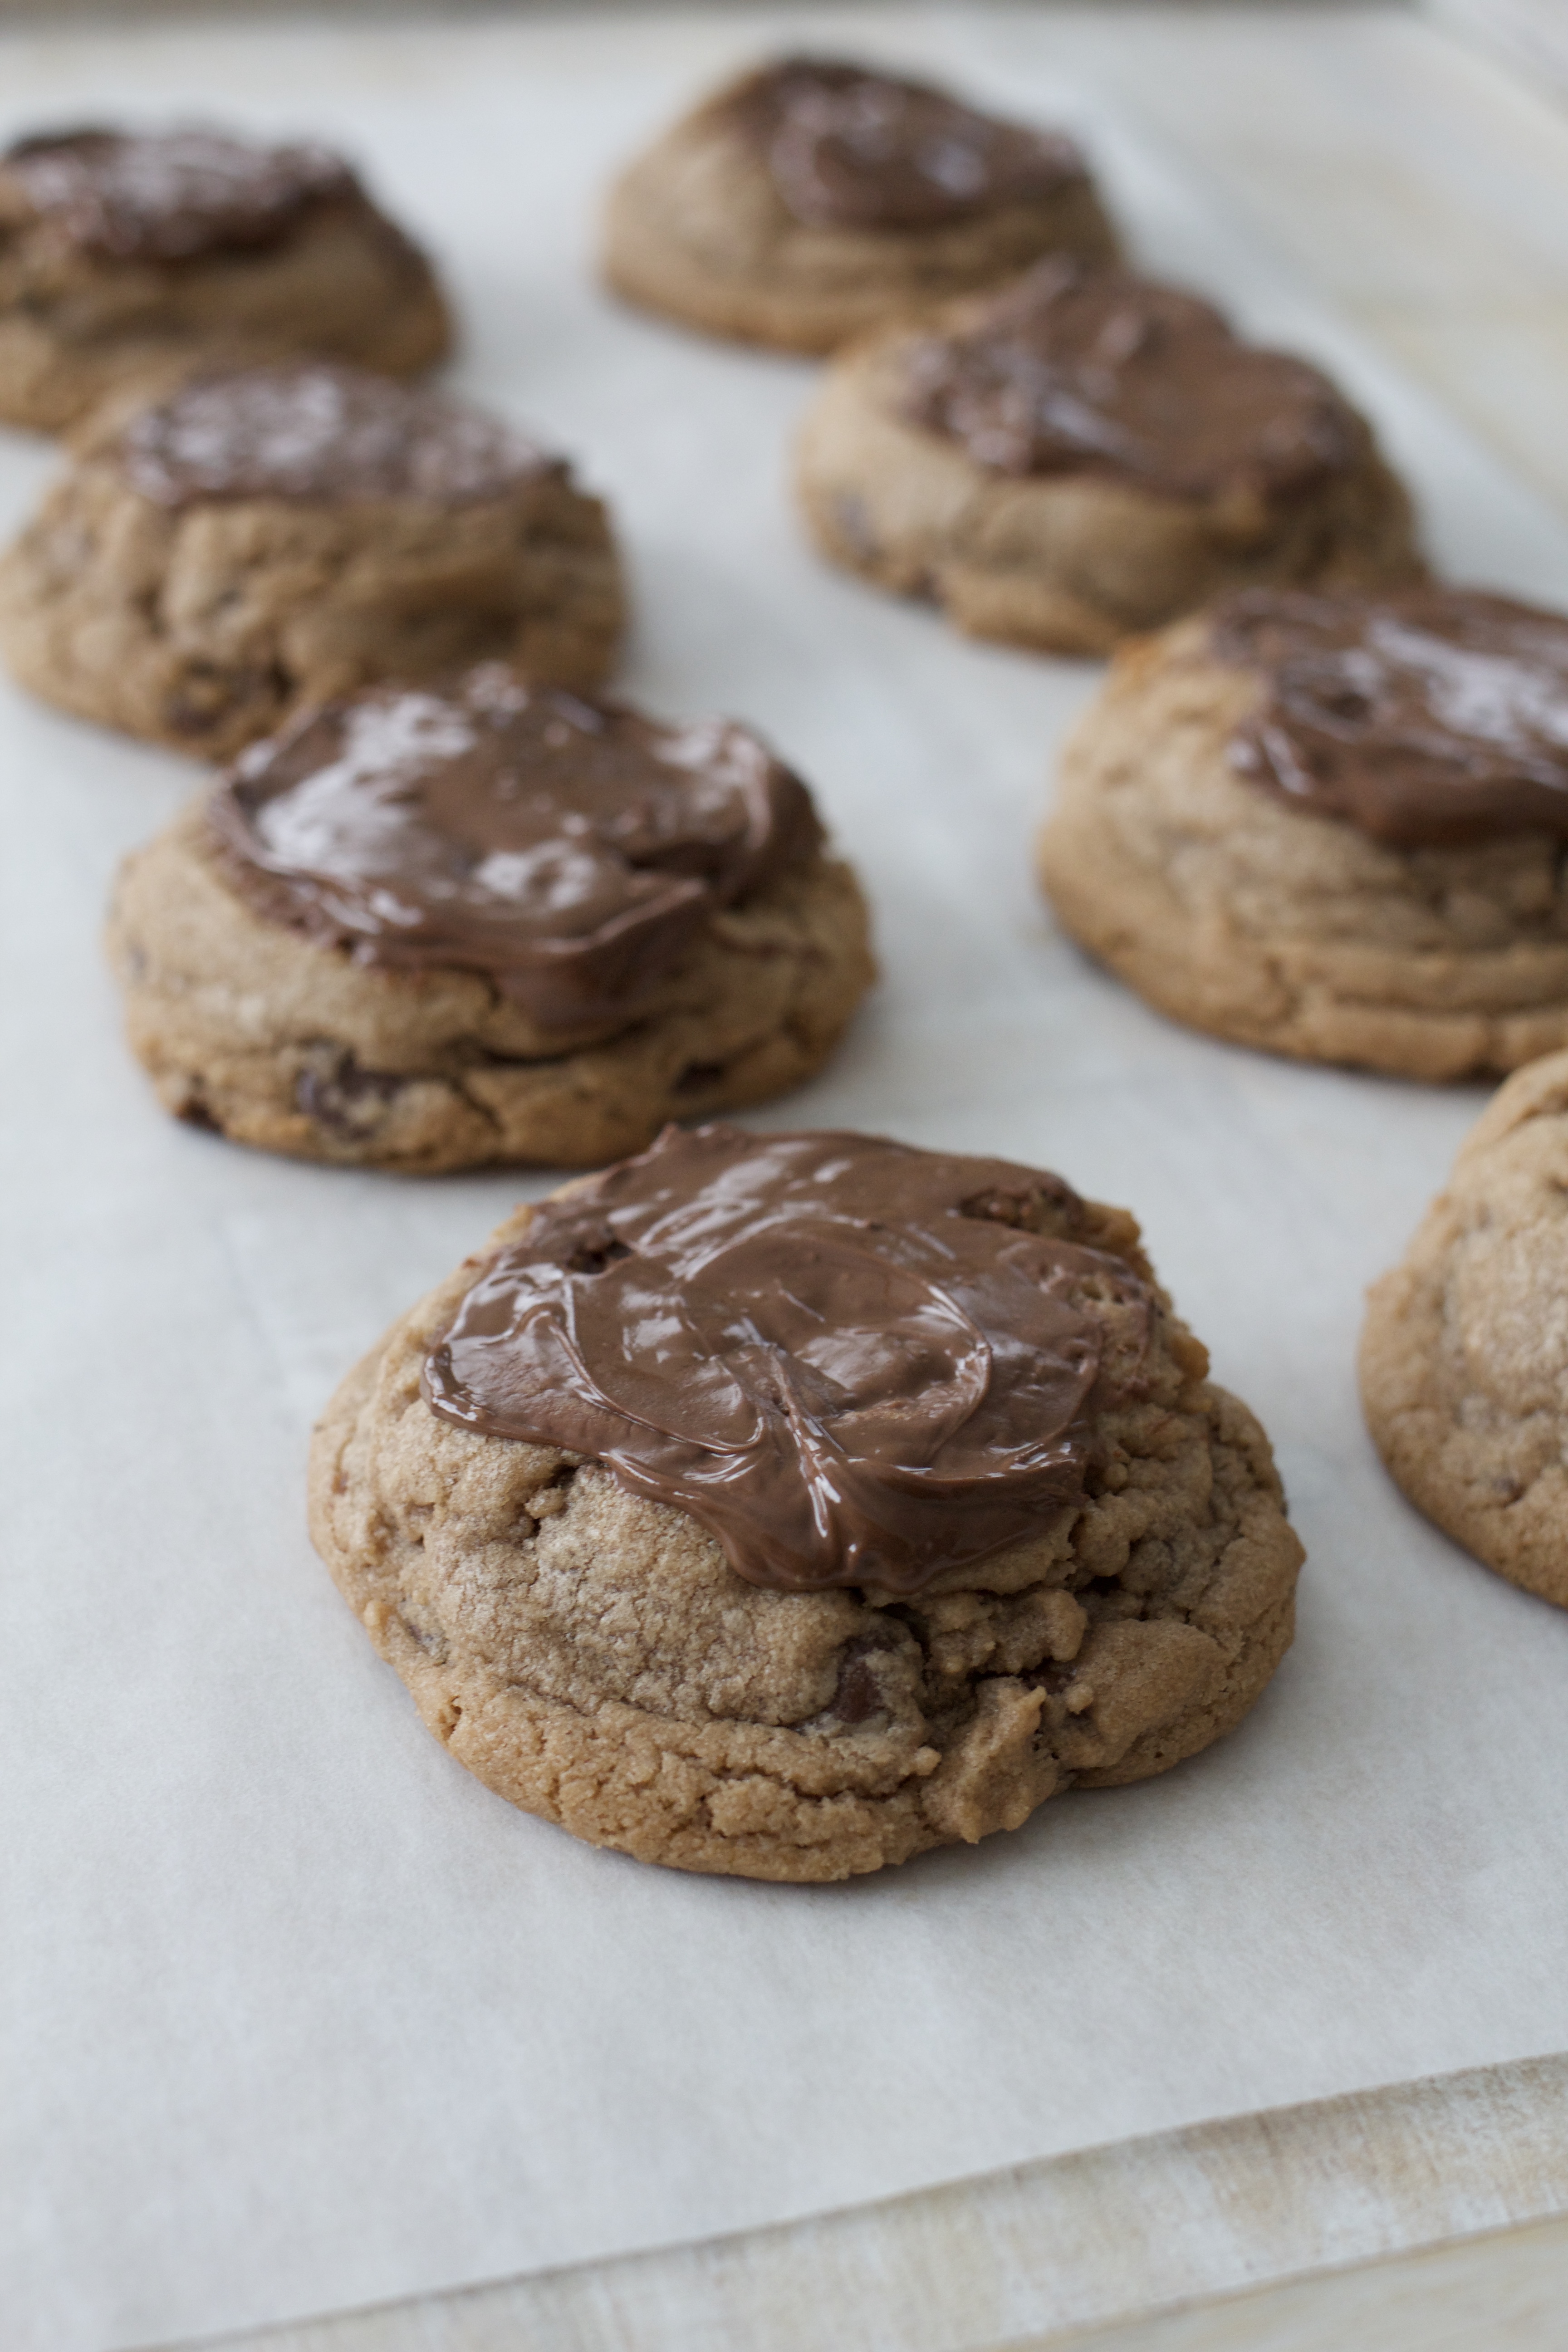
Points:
[(1464, 1355), (591, 1655), (1271, 927), (247, 1027), (207, 619)]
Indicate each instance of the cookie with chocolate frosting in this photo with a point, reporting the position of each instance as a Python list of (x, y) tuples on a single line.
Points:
[(431, 928), (1088, 454), (267, 538), (781, 1505), (131, 257), (1333, 827), (1464, 1354), (814, 198)]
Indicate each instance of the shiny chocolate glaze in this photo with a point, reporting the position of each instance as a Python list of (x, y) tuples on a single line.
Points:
[(1427, 719), (853, 1362), (321, 430), (570, 850), (847, 148), (1072, 370), (169, 195)]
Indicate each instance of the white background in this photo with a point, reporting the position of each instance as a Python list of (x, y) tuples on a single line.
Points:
[(295, 2014)]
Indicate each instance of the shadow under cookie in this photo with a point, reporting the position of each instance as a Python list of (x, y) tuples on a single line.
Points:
[(266, 539), (1464, 1353), (1087, 455), (428, 932), (1321, 826), (878, 1497), (128, 258), (814, 198)]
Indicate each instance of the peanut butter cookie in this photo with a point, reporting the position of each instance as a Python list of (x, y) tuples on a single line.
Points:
[(1464, 1357), (128, 258), (782, 1505), (262, 541), (814, 198), (1085, 455), (1333, 827), (430, 931)]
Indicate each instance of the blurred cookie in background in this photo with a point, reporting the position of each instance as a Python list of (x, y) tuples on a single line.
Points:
[(815, 197), (1085, 455), (267, 538), (131, 257)]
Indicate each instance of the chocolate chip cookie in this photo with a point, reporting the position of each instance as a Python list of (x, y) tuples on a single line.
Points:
[(1085, 455), (1464, 1357), (782, 1505), (1333, 827), (267, 538), (431, 929), (814, 198), (129, 257)]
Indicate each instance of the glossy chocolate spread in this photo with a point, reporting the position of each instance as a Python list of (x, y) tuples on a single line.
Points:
[(318, 429), (169, 195), (846, 148), (1428, 718), (1072, 370), (570, 850), (853, 1362)]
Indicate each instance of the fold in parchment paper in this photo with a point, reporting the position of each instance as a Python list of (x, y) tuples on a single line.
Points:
[(298, 2015)]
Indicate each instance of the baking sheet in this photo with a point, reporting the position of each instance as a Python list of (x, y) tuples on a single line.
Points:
[(296, 2014)]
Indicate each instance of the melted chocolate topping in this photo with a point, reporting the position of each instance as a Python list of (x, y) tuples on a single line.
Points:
[(317, 429), (1078, 372), (850, 148), (569, 849), (853, 1362), (1428, 718), (170, 194)]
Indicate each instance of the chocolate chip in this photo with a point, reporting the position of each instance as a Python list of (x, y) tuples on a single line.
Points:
[(348, 1101), (858, 1693), (698, 1077), (592, 1257)]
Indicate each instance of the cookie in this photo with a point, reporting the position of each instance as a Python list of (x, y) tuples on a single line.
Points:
[(128, 256), (1464, 1355), (431, 929), (814, 198), (1085, 455), (783, 1505), (265, 540), (1333, 827)]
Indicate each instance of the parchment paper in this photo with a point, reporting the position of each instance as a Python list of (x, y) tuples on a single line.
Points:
[(296, 2014)]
